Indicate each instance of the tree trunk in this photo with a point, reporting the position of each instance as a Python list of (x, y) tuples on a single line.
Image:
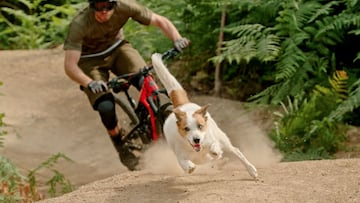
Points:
[(218, 85)]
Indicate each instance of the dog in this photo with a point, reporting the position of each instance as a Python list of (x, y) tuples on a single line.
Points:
[(189, 130)]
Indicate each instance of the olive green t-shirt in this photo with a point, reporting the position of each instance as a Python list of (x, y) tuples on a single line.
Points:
[(89, 36)]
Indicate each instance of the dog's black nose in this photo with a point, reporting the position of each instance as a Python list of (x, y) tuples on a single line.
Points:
[(196, 140)]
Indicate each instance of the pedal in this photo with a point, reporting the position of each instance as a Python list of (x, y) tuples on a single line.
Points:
[(133, 146)]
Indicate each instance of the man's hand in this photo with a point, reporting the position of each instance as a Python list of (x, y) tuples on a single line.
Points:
[(181, 44), (97, 86)]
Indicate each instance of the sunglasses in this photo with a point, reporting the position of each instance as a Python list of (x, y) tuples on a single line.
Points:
[(103, 6)]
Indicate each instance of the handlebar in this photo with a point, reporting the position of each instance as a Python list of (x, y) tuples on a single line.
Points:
[(121, 82), (171, 53)]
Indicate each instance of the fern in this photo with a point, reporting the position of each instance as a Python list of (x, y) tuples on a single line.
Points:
[(253, 41), (290, 61), (348, 105), (265, 96), (339, 84), (304, 126), (37, 25)]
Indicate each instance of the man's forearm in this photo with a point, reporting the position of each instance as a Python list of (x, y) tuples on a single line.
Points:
[(166, 26), (73, 70), (75, 74)]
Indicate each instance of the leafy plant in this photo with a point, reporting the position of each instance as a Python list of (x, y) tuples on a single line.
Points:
[(349, 104), (306, 126), (58, 179), (15, 187), (253, 41), (2, 132), (35, 25)]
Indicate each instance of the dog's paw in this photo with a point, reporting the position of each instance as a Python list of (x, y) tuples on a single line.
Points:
[(191, 169), (215, 151), (188, 166), (216, 155), (252, 171)]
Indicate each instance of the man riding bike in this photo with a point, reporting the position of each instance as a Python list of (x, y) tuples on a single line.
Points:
[(94, 30)]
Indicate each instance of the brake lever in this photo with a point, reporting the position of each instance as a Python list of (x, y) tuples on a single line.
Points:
[(170, 54)]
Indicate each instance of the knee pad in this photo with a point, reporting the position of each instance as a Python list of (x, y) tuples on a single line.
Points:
[(106, 109), (106, 106)]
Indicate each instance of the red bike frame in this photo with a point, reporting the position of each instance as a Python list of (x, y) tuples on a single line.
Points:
[(146, 93)]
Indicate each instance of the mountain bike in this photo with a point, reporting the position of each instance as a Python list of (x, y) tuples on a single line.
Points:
[(148, 114)]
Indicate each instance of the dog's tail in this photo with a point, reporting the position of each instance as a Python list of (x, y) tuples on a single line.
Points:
[(174, 89)]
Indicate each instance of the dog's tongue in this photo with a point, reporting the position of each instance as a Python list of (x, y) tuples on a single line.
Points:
[(197, 147)]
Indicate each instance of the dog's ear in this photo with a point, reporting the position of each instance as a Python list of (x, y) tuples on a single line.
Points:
[(180, 115), (203, 110)]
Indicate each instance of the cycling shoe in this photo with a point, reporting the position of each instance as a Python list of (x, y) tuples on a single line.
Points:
[(128, 158), (124, 149)]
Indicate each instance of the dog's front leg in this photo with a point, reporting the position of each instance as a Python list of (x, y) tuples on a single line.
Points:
[(187, 165), (216, 151)]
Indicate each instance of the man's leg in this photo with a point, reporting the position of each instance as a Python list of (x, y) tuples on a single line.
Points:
[(106, 109), (104, 103)]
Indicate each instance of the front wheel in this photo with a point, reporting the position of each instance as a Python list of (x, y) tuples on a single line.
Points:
[(129, 111)]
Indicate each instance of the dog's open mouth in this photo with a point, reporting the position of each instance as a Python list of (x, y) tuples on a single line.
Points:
[(197, 147)]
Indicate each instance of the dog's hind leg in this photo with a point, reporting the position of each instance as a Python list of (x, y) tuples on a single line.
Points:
[(228, 146), (250, 168)]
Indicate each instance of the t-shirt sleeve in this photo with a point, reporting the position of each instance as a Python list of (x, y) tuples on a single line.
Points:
[(74, 37), (137, 11)]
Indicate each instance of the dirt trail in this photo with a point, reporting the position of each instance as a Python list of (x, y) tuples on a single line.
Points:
[(47, 114)]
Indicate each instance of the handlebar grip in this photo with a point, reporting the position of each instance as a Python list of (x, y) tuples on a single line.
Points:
[(171, 53)]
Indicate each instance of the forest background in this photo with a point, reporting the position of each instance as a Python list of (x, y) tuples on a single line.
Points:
[(297, 58)]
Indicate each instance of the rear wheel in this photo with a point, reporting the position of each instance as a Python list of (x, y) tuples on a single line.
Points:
[(165, 109), (143, 129)]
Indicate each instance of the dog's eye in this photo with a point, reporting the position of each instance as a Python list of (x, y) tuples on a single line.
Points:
[(187, 129), (200, 126)]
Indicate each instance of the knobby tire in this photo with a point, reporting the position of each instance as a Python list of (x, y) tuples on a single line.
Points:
[(126, 108)]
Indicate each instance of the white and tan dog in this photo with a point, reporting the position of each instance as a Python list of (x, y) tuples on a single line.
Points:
[(190, 131)]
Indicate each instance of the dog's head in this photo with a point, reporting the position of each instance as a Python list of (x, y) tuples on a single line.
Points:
[(192, 126)]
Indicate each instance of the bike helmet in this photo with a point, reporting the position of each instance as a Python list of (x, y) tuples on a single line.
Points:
[(101, 6), (93, 1)]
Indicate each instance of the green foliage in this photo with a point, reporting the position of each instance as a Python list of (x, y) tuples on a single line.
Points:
[(11, 182), (149, 39), (36, 25), (15, 187), (58, 179), (2, 132), (349, 104), (309, 41), (307, 130), (307, 127), (296, 41), (254, 41)]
